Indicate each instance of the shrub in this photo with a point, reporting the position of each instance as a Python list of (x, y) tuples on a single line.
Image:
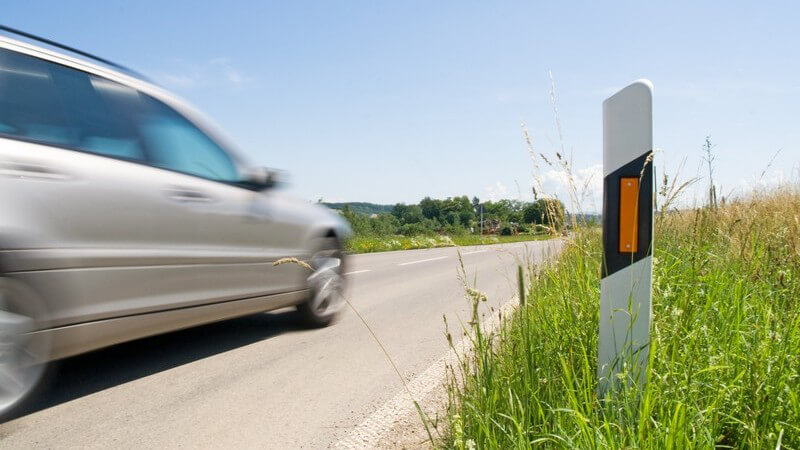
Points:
[(415, 229)]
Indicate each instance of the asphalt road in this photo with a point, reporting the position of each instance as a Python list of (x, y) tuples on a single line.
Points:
[(264, 381)]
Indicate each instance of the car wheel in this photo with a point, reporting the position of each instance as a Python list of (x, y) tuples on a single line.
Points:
[(23, 354), (326, 286)]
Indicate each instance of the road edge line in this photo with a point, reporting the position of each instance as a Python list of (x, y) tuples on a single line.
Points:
[(373, 429), (423, 260), (358, 271)]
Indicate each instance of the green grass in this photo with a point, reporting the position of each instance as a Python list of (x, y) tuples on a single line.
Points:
[(472, 239), (370, 244), (725, 344)]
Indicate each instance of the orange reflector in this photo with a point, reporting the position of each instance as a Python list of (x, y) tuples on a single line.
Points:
[(628, 215)]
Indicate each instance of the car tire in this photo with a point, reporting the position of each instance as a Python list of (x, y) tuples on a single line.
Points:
[(326, 286), (24, 364)]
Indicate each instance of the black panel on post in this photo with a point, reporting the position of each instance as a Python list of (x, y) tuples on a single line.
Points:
[(613, 260)]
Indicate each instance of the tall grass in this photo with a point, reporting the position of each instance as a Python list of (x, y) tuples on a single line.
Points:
[(724, 365)]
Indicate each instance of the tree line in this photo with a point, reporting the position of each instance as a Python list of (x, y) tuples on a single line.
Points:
[(460, 215)]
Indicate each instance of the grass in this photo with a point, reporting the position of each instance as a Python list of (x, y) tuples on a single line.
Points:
[(471, 239), (724, 365), (370, 244)]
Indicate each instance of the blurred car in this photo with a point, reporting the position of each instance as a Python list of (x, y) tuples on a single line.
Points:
[(124, 214)]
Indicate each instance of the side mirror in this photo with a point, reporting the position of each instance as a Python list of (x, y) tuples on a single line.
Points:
[(262, 178)]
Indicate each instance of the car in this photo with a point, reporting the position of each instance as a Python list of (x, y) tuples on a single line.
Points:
[(126, 214)]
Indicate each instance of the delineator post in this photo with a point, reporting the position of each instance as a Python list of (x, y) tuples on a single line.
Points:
[(626, 284)]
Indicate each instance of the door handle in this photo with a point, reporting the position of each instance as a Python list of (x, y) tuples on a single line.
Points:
[(22, 169), (187, 195)]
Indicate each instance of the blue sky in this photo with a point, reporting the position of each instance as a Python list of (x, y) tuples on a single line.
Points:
[(392, 101)]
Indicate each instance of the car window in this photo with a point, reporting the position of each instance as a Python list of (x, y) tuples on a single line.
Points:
[(57, 105), (54, 104), (175, 143)]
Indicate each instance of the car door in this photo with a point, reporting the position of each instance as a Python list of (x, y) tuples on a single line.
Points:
[(222, 235), (76, 190)]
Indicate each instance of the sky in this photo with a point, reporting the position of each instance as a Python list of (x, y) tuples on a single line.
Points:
[(390, 102)]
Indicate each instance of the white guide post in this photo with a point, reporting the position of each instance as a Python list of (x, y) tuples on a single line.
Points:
[(626, 284)]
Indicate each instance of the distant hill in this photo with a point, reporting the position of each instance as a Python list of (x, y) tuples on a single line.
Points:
[(362, 207)]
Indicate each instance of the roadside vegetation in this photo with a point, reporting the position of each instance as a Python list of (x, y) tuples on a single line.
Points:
[(450, 222), (370, 244), (724, 365)]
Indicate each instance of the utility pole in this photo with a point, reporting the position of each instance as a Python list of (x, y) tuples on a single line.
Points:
[(481, 219)]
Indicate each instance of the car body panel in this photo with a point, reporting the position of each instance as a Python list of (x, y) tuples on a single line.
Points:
[(112, 244), (87, 336)]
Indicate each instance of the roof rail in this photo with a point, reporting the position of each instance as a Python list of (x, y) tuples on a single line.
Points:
[(73, 50)]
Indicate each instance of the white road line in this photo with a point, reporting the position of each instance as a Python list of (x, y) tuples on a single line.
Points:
[(358, 271), (369, 433), (422, 260), (476, 251)]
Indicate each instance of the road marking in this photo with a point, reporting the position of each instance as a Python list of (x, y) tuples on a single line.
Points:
[(358, 271), (422, 260), (368, 434), (476, 251)]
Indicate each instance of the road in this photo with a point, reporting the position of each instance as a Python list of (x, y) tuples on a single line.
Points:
[(263, 381)]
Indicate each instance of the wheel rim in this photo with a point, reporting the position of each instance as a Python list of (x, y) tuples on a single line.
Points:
[(326, 283), (21, 362)]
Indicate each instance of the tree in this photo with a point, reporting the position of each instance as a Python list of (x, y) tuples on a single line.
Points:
[(545, 211), (495, 210), (431, 208), (456, 215), (384, 225), (466, 218), (359, 222), (533, 213), (465, 211), (453, 218), (407, 213)]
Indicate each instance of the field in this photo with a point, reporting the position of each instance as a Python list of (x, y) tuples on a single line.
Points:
[(725, 344), (370, 244)]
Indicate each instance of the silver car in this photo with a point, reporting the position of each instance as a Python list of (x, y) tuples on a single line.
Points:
[(124, 214)]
